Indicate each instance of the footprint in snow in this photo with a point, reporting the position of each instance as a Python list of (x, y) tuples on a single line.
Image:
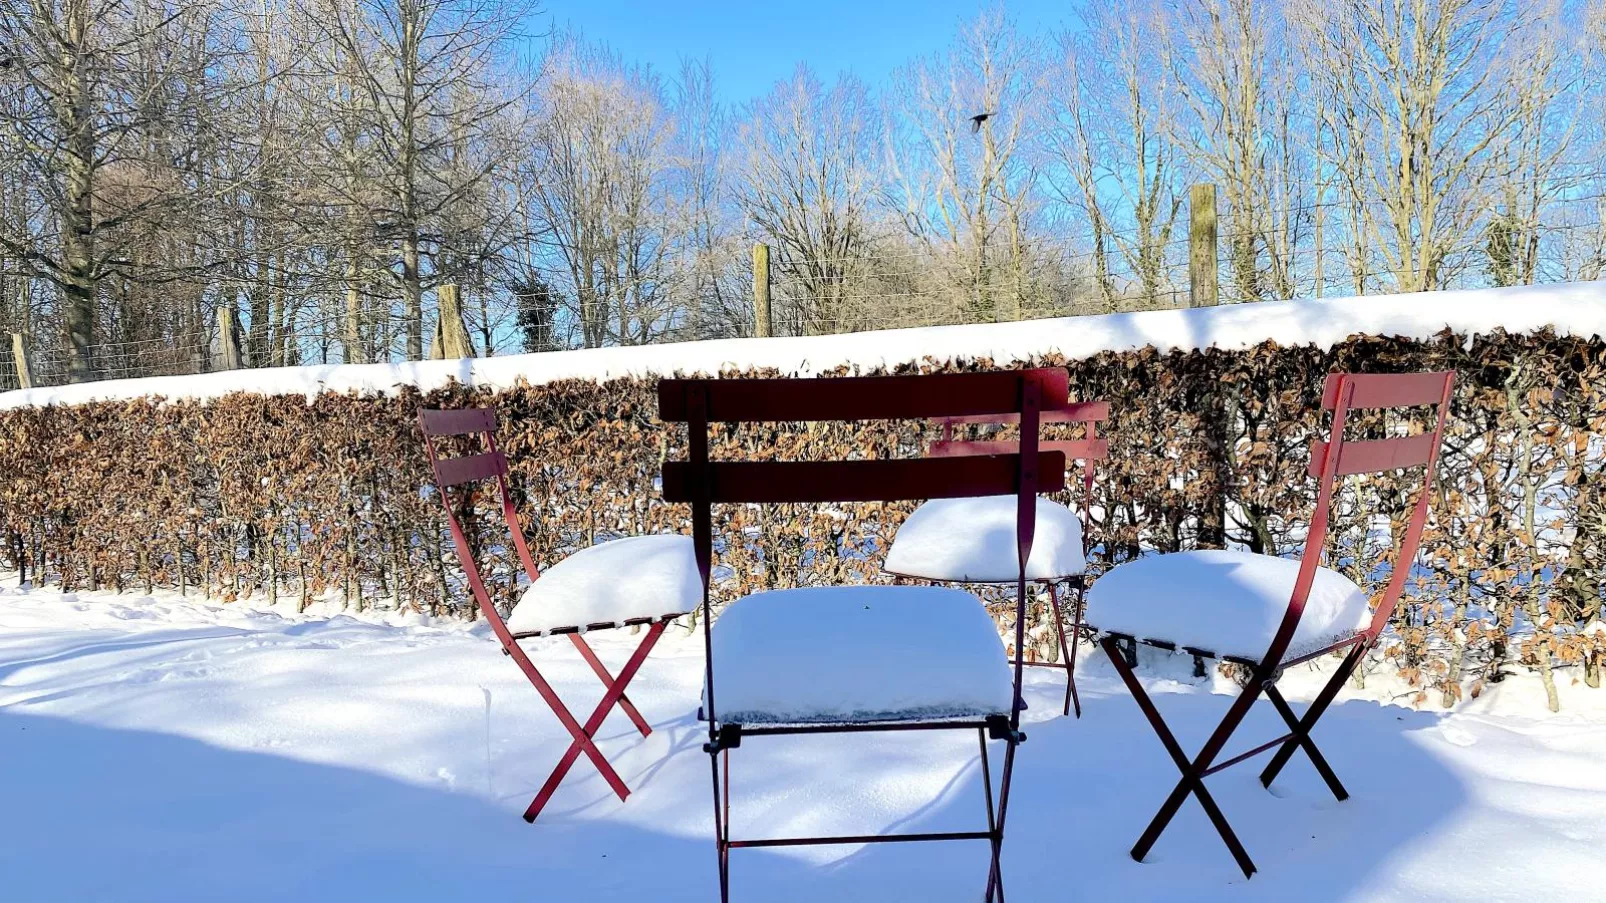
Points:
[(1457, 736)]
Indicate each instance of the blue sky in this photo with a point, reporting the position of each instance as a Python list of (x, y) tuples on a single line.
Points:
[(753, 45)]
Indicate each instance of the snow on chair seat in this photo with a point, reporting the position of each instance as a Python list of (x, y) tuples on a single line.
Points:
[(1224, 603), (859, 654), (973, 541), (635, 580)]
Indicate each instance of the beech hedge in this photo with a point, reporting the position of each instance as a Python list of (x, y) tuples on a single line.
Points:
[(328, 497)]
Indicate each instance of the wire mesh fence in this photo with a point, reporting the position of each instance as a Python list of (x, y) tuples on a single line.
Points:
[(829, 294), (9, 378)]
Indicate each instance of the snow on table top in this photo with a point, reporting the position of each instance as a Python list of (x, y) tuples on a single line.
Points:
[(621, 580), (1226, 602), (1577, 309), (858, 653), (973, 540)]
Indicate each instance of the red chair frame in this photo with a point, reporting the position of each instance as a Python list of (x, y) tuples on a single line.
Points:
[(1330, 459), (492, 464), (1023, 472), (1088, 449)]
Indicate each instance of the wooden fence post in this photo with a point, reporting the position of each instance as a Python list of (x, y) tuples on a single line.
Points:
[(451, 339), (763, 322), (1202, 284), (229, 338), (19, 354)]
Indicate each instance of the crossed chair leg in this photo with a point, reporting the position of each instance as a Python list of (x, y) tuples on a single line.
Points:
[(1068, 649), (995, 826), (1201, 766), (585, 735)]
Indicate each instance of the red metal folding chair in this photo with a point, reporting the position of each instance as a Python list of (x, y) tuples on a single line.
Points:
[(816, 660), (972, 540), (587, 591), (1265, 613)]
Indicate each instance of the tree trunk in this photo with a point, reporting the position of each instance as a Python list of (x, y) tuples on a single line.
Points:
[(278, 318), (1530, 504), (1546, 677), (355, 352), (1213, 518), (413, 293), (79, 281), (258, 341), (1458, 649)]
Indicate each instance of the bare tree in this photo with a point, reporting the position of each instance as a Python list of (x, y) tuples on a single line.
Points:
[(601, 181), (807, 183), (718, 282), (1535, 165), (318, 166), (1416, 94), (1245, 130), (423, 87), (1111, 136), (110, 105), (964, 174)]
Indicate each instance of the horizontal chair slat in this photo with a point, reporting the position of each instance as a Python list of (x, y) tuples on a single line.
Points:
[(457, 422), (1374, 455), (861, 481), (1079, 412), (1387, 390), (1073, 449), (467, 469), (922, 397)]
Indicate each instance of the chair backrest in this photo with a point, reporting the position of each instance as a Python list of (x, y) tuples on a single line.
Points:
[(487, 464), (1089, 449), (1337, 456), (1023, 471)]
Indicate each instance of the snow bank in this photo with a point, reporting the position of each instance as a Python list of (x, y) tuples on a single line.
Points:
[(1577, 309)]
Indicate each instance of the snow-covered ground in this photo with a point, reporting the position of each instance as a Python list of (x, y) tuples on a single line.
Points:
[(163, 749)]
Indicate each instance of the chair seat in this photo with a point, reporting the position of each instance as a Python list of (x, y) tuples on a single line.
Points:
[(1225, 602), (631, 579), (858, 654), (972, 540)]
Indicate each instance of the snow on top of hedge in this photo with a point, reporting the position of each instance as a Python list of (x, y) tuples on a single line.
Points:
[(1574, 309)]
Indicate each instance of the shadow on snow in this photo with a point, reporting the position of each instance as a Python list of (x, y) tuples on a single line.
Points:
[(100, 813)]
